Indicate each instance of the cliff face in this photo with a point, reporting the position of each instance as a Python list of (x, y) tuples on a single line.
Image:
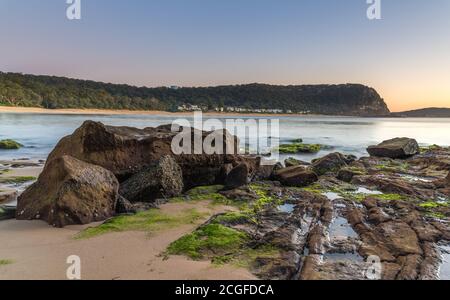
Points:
[(59, 92)]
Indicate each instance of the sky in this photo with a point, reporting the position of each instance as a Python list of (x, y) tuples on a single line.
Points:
[(405, 56)]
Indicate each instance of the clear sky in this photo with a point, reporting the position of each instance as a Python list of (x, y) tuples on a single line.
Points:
[(405, 56)]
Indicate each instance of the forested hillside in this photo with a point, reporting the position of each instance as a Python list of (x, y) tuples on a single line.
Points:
[(59, 92)]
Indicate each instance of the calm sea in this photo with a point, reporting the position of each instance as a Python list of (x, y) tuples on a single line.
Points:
[(40, 133)]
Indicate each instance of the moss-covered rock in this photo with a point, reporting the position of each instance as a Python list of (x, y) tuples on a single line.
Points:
[(209, 241), (10, 144), (299, 148)]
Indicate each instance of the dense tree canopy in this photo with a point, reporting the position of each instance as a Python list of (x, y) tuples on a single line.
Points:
[(58, 92)]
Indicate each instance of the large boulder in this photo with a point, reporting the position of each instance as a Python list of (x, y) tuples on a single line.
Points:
[(126, 151), (395, 148), (70, 191), (238, 176), (163, 179), (295, 176), (331, 163)]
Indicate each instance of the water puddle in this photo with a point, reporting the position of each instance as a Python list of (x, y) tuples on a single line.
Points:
[(341, 229), (332, 196), (412, 178), (286, 208), (344, 256), (444, 273), (363, 190), (442, 200)]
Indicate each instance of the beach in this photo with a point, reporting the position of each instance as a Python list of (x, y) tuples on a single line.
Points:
[(266, 228), (70, 111), (37, 251)]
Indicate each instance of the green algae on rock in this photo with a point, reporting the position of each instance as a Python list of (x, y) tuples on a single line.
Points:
[(299, 148), (9, 144)]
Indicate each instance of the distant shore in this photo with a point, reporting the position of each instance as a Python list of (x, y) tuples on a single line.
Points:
[(76, 111)]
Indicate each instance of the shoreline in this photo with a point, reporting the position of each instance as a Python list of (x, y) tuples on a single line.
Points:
[(77, 111), (118, 112)]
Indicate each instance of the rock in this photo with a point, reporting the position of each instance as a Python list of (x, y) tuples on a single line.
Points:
[(410, 267), (395, 148), (126, 207), (448, 180), (377, 216), (240, 194), (399, 238), (331, 163), (426, 232), (123, 206), (265, 172), (69, 192), (237, 177), (8, 196), (346, 174), (389, 271), (292, 162), (316, 240), (161, 180), (126, 151), (10, 145), (7, 212), (355, 217), (277, 268), (295, 176), (429, 269), (224, 171)]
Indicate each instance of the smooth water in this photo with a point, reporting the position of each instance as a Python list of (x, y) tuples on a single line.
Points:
[(40, 132)]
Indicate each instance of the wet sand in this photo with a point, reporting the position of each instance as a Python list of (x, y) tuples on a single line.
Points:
[(38, 251)]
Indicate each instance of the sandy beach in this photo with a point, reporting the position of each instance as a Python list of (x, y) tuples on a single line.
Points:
[(37, 110), (39, 251), (35, 250)]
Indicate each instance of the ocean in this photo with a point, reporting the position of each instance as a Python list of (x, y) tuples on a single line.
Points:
[(39, 133)]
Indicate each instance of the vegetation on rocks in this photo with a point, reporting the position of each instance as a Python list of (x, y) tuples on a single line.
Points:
[(392, 166), (10, 145), (299, 148), (17, 179), (206, 193), (149, 221), (213, 238)]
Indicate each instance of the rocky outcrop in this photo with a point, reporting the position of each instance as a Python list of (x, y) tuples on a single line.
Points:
[(126, 151), (238, 176), (163, 179), (70, 191), (295, 176), (331, 163), (395, 148), (293, 162)]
